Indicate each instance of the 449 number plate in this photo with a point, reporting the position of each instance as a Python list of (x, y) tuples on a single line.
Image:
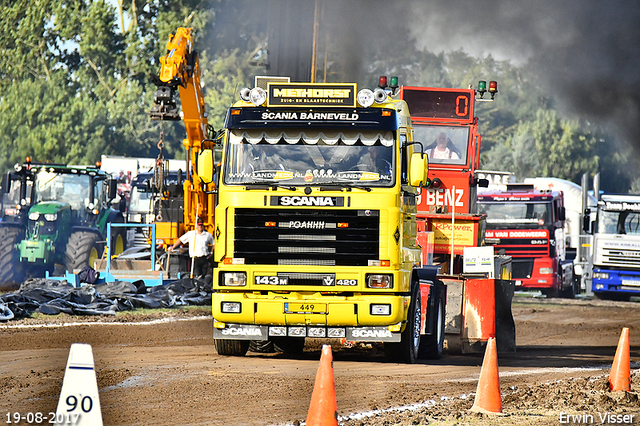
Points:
[(305, 308)]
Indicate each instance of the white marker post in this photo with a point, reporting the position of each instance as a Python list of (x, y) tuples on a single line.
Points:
[(79, 402)]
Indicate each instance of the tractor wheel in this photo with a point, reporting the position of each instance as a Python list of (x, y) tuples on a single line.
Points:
[(118, 241), (231, 347), (406, 351), (11, 270), (431, 346), (83, 249)]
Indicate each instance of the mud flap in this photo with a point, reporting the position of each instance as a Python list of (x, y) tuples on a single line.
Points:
[(505, 325), (487, 313)]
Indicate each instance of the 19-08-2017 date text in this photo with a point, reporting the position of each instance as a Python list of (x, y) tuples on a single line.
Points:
[(36, 418)]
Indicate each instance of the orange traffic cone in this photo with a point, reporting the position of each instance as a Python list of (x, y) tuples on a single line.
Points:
[(324, 409), (488, 398), (620, 375)]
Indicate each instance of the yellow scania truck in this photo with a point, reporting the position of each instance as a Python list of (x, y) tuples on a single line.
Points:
[(315, 223)]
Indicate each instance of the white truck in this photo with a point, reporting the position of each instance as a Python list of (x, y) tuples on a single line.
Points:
[(616, 247)]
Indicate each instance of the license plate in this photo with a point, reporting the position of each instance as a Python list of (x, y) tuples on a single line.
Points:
[(518, 282), (305, 308)]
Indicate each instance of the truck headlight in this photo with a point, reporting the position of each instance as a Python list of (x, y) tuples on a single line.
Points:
[(51, 217), (34, 216), (365, 98), (234, 279), (379, 280), (380, 309), (546, 271), (231, 307), (601, 275), (257, 96)]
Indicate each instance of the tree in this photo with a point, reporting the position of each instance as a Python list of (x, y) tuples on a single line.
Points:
[(546, 146)]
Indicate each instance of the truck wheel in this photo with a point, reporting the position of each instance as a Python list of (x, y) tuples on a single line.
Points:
[(230, 347), (569, 292), (261, 346), (11, 270), (83, 249), (406, 351), (288, 345), (431, 346)]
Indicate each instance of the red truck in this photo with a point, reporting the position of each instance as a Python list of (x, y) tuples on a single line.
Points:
[(528, 225)]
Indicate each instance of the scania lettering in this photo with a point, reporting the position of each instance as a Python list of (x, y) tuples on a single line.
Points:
[(306, 201)]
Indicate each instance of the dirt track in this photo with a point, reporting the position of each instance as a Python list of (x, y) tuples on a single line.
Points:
[(168, 373)]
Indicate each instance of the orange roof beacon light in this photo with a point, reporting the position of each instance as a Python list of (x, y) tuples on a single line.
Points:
[(493, 88)]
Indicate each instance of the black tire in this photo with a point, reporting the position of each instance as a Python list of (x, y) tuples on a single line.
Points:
[(432, 345), (288, 345), (11, 270), (230, 347), (118, 241), (83, 249), (569, 293), (261, 346), (406, 351)]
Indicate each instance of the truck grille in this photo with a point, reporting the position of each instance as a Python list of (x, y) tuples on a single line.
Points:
[(307, 237), (617, 257), (522, 247), (521, 268), (616, 252)]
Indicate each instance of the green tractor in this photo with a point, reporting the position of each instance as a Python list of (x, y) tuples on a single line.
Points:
[(66, 224)]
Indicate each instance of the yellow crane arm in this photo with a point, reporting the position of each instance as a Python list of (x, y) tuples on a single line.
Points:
[(180, 69)]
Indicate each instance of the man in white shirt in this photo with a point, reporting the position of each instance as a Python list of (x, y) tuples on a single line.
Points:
[(441, 151), (199, 241)]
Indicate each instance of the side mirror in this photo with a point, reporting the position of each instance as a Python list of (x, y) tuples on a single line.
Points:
[(6, 183), (418, 169), (586, 221), (562, 213), (204, 166), (113, 188)]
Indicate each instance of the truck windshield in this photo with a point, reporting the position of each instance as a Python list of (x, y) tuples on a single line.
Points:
[(443, 144), (310, 156), (618, 222), (536, 214), (65, 188), (140, 200)]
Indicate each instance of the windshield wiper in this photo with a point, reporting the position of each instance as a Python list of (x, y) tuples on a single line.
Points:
[(364, 188), (255, 185), (332, 187), (289, 188), (343, 187)]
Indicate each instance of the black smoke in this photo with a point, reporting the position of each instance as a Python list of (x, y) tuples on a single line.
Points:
[(586, 53)]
